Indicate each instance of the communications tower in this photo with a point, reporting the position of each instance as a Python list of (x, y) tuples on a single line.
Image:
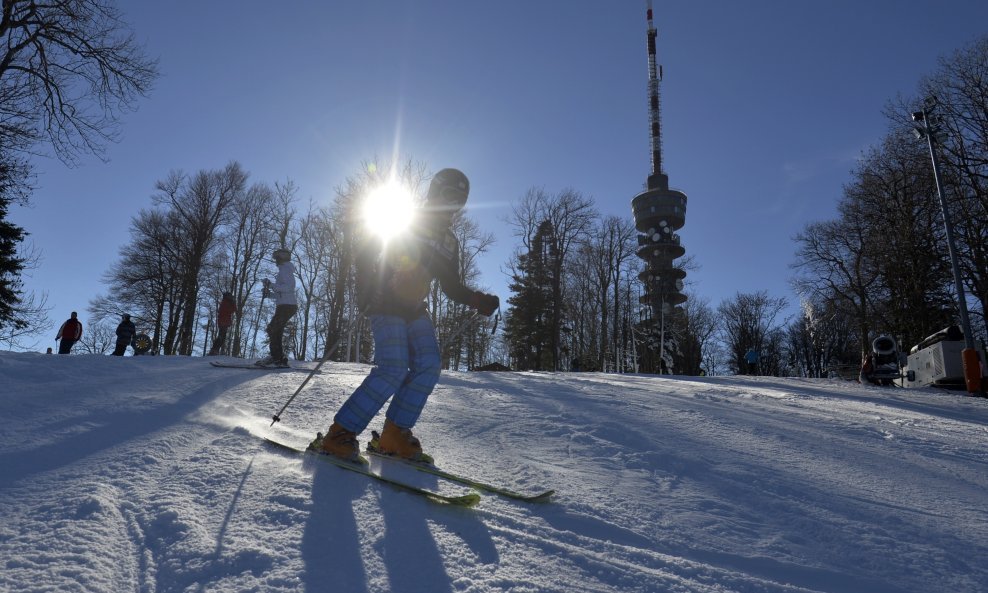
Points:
[(659, 212)]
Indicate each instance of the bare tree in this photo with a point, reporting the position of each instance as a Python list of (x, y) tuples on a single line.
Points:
[(609, 247), (200, 204), (584, 335), (311, 266), (700, 326), (142, 283), (247, 242), (750, 320), (822, 340), (68, 69), (833, 265), (960, 85), (448, 315), (98, 338), (172, 255), (880, 261), (892, 192)]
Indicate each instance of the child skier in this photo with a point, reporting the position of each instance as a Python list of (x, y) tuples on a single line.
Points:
[(393, 282)]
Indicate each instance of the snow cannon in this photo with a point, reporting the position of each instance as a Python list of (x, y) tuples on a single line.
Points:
[(884, 347)]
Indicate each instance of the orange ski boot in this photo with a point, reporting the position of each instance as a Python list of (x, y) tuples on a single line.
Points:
[(400, 442), (342, 443)]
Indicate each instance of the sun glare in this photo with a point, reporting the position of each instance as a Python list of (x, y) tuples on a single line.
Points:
[(388, 210)]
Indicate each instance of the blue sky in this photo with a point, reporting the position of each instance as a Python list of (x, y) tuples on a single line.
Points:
[(765, 107)]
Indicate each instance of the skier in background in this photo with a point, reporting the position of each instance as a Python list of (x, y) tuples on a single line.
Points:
[(224, 319), (392, 283), (69, 333), (282, 290), (125, 335), (751, 359)]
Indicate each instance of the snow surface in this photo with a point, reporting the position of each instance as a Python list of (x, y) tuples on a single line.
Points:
[(147, 474)]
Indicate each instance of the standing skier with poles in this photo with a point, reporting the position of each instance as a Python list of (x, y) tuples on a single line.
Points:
[(393, 281), (282, 290), (69, 333)]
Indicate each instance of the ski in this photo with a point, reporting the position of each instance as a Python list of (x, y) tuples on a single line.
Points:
[(431, 469), (253, 367), (466, 500)]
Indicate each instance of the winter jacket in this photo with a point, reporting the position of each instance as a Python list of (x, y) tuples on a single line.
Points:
[(395, 279), (751, 356), (283, 287), (224, 317), (70, 330), (125, 332)]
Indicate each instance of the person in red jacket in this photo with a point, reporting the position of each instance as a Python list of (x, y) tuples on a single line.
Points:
[(224, 319), (69, 333)]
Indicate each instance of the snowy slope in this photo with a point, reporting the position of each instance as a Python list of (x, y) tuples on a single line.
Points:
[(146, 474)]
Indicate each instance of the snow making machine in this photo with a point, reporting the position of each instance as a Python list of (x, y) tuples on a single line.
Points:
[(937, 361), (882, 366)]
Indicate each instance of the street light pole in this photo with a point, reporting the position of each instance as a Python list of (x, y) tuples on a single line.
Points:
[(969, 356)]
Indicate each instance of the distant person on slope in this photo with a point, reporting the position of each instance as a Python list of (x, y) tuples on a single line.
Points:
[(751, 359), (393, 281), (125, 335), (224, 319), (69, 333), (282, 290)]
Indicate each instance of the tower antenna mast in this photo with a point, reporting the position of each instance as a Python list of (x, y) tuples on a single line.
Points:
[(654, 119)]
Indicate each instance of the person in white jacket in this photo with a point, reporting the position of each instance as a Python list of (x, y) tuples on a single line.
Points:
[(282, 290)]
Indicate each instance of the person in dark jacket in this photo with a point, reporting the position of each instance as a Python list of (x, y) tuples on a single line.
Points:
[(69, 333), (393, 282), (224, 319), (751, 359), (125, 335)]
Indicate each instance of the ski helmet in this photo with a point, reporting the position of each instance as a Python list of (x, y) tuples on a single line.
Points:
[(448, 190), (281, 255)]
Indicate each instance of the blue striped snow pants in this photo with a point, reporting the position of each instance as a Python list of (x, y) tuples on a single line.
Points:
[(407, 358)]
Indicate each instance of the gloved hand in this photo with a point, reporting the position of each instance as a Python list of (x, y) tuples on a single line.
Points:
[(485, 304), (266, 292)]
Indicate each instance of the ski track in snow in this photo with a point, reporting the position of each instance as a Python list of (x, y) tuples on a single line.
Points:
[(146, 474)]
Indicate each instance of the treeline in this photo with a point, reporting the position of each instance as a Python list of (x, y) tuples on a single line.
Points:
[(214, 231), (880, 267), (883, 266), (574, 301), (68, 70)]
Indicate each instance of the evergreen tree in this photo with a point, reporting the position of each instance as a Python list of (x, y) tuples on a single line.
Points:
[(11, 189), (528, 326)]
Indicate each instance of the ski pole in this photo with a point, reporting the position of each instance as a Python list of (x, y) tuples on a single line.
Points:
[(277, 417), (463, 326), (459, 330)]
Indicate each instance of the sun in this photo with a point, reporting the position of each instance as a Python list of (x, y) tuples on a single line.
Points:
[(388, 209)]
